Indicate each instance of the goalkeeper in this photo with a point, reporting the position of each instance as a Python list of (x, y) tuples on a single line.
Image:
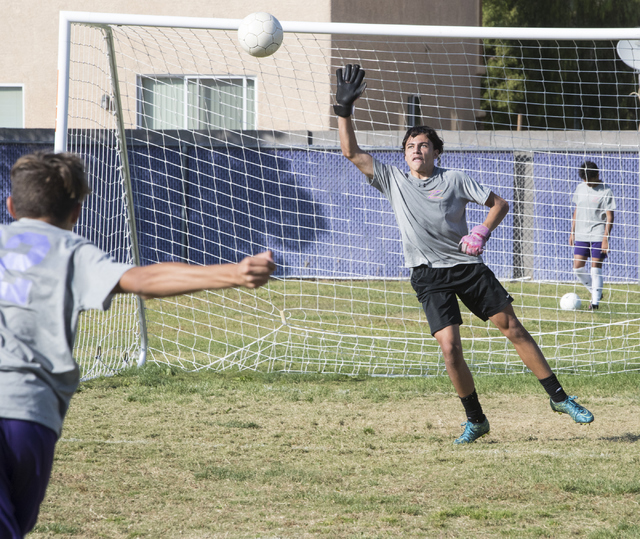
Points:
[(48, 275), (429, 205)]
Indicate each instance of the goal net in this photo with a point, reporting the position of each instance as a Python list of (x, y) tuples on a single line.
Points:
[(201, 153)]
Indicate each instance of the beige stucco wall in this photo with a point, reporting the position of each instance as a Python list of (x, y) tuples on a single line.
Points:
[(449, 87), (427, 12), (29, 33)]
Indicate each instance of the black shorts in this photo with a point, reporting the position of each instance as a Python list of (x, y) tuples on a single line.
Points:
[(475, 285)]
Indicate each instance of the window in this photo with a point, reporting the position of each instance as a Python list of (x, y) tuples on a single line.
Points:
[(11, 106), (189, 102), (414, 114)]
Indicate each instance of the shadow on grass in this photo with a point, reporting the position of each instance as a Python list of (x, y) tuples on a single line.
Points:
[(624, 438)]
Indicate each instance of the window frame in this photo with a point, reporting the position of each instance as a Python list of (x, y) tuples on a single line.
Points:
[(24, 100), (186, 80)]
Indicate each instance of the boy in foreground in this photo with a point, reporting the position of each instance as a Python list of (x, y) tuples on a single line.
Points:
[(429, 206), (48, 276)]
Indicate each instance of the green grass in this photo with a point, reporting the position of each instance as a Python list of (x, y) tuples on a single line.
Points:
[(158, 452), (256, 450), (374, 327)]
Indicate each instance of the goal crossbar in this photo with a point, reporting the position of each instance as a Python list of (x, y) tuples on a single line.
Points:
[(198, 152)]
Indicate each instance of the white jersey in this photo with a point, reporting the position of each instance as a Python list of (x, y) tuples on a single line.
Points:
[(48, 276), (592, 204), (430, 213)]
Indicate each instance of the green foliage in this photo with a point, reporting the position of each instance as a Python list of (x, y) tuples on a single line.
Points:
[(558, 84)]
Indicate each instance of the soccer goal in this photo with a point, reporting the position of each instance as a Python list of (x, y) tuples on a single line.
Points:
[(199, 152)]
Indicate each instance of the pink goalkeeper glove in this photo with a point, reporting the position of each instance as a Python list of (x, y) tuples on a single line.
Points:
[(473, 244)]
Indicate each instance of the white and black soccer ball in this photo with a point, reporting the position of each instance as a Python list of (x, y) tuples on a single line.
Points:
[(570, 302), (260, 34)]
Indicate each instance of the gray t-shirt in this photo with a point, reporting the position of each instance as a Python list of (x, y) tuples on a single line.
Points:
[(431, 213), (592, 204), (48, 276)]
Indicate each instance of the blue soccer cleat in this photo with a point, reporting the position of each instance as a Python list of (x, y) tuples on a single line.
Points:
[(473, 431), (576, 412)]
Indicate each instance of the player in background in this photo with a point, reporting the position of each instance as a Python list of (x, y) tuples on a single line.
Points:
[(48, 275), (590, 229), (429, 206)]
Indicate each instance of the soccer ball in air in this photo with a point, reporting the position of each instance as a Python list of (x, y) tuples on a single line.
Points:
[(570, 302), (260, 34)]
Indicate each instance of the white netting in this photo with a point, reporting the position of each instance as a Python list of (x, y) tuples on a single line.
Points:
[(229, 155)]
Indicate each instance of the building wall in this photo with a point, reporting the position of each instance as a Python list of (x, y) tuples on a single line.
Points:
[(421, 12), (29, 31), (29, 34), (447, 73)]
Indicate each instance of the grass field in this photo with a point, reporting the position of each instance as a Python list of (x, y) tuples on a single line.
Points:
[(378, 327), (356, 327), (160, 453)]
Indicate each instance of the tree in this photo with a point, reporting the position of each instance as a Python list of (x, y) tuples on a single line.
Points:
[(559, 84)]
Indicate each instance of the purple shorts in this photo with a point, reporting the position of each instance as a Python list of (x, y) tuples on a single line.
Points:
[(26, 458), (588, 249)]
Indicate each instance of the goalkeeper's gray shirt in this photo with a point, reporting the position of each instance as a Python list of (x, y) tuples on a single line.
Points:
[(430, 213), (592, 204), (47, 277)]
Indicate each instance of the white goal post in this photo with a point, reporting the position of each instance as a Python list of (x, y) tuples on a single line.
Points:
[(198, 152)]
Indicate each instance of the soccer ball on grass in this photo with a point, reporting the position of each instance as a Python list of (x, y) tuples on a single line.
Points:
[(260, 34), (570, 302)]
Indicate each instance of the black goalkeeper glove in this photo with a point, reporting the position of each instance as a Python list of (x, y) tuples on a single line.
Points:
[(350, 88)]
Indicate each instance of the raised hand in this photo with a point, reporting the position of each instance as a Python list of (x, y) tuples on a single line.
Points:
[(350, 88)]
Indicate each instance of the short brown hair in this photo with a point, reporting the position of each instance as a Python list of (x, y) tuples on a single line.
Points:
[(48, 185), (431, 134), (588, 171)]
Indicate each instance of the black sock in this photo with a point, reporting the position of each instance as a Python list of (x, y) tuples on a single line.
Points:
[(553, 388), (472, 408)]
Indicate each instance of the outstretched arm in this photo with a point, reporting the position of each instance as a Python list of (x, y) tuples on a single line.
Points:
[(350, 148), (175, 278), (350, 86)]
